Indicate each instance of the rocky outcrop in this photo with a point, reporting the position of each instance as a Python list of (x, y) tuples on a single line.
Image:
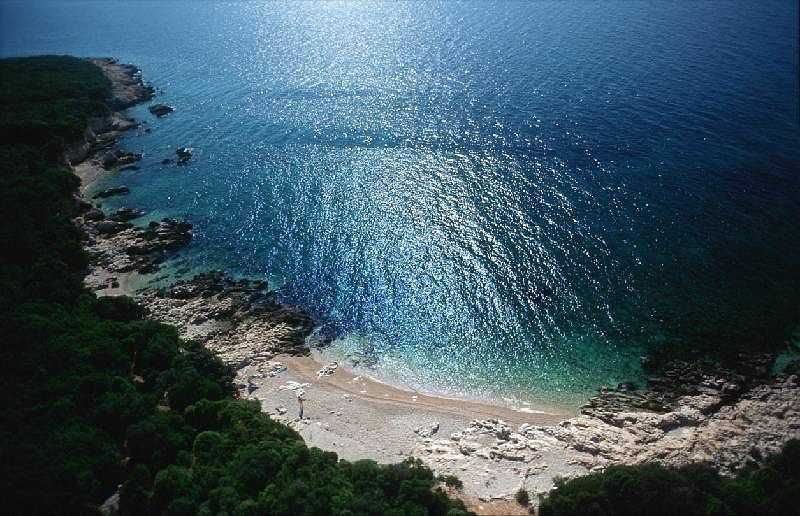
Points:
[(693, 412), (117, 157), (100, 137), (238, 319), (122, 247), (127, 86), (102, 133)]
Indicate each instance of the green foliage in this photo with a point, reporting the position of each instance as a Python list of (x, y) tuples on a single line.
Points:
[(451, 481), (522, 497), (42, 256), (773, 489), (94, 396), (46, 101)]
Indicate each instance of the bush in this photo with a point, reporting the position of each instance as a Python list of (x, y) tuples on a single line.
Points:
[(522, 497), (773, 489), (451, 481)]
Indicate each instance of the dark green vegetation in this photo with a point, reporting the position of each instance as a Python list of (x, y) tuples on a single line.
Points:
[(522, 497), (773, 490), (95, 396), (451, 481), (46, 101)]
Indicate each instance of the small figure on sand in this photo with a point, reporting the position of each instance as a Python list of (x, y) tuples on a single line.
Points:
[(301, 397)]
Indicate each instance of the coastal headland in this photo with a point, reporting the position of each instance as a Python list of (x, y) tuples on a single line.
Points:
[(689, 412)]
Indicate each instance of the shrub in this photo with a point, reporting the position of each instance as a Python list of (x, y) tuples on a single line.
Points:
[(773, 489), (451, 481)]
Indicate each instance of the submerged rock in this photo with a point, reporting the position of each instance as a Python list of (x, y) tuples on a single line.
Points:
[(126, 214), (126, 158), (184, 155), (169, 234), (120, 190), (160, 110)]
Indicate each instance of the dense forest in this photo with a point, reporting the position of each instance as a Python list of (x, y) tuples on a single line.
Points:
[(95, 396)]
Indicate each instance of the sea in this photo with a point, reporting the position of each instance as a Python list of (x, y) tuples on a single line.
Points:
[(503, 201)]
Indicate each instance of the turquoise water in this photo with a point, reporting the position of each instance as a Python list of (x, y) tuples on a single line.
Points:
[(478, 199)]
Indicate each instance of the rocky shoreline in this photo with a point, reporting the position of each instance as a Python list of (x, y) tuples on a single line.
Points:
[(690, 412), (239, 319)]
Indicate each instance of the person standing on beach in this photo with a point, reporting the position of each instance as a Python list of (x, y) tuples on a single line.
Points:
[(301, 397)]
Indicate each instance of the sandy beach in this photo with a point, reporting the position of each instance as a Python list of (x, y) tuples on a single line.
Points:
[(387, 416), (359, 418)]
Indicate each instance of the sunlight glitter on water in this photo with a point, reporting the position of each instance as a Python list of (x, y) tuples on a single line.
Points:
[(504, 200)]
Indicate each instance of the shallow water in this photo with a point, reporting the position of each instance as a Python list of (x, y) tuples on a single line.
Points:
[(477, 199)]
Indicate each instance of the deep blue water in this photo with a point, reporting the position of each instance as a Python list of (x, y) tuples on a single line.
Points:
[(483, 198)]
